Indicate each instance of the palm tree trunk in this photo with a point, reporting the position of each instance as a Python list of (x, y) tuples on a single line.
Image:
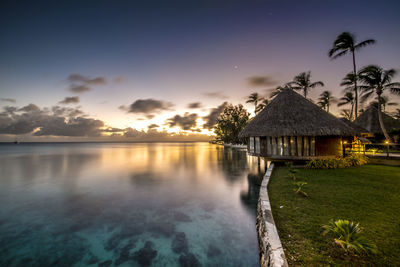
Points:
[(351, 111), (355, 86), (381, 119)]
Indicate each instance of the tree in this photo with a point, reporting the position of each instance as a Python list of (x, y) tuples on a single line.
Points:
[(385, 102), (343, 44), (348, 98), (303, 82), (350, 81), (325, 100), (262, 105), (396, 114), (279, 89), (376, 81), (345, 113), (348, 235), (230, 123), (254, 98)]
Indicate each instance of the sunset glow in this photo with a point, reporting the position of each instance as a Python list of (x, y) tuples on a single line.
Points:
[(169, 66)]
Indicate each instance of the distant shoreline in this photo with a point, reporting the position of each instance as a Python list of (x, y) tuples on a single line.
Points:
[(99, 142)]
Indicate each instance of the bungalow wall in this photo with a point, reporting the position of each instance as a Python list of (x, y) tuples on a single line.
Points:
[(329, 146), (295, 146)]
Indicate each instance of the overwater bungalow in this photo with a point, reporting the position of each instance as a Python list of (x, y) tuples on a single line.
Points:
[(291, 127)]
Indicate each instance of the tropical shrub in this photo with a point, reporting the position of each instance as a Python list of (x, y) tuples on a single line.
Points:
[(339, 162), (299, 188), (356, 160), (292, 171), (348, 236)]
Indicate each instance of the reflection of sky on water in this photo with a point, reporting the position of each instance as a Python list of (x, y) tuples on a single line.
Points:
[(140, 204)]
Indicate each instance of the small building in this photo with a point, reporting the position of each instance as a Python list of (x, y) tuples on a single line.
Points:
[(369, 120), (291, 127), (358, 144)]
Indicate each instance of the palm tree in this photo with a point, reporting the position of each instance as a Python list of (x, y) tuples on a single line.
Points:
[(396, 114), (325, 100), (279, 89), (385, 102), (348, 235), (377, 80), (254, 98), (348, 98), (345, 113), (302, 82), (343, 44), (262, 105)]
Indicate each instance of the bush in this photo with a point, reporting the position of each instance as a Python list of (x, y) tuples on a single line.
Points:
[(356, 160), (340, 162), (348, 236)]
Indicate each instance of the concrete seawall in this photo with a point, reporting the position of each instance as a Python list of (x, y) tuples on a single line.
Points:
[(271, 251)]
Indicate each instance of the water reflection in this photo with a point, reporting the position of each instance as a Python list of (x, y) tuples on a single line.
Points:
[(128, 204)]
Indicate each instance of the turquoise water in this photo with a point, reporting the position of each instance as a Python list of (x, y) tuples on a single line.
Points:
[(156, 204)]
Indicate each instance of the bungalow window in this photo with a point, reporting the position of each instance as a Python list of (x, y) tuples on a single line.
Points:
[(312, 144), (292, 146), (257, 144), (251, 146), (280, 146), (299, 146), (269, 146), (285, 146), (273, 145), (306, 146)]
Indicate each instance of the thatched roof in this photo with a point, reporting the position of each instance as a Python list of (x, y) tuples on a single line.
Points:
[(353, 125), (290, 114), (370, 121)]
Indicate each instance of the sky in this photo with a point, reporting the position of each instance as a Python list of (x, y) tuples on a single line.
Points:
[(163, 70)]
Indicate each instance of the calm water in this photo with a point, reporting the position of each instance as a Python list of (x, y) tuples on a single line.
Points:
[(161, 204)]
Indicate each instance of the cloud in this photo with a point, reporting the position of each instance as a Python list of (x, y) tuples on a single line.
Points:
[(147, 107), (57, 121), (11, 100), (261, 81), (70, 100), (80, 83), (113, 130), (211, 118), (194, 105), (68, 112), (79, 126), (154, 135), (185, 122), (79, 88), (75, 77), (119, 79), (218, 94), (30, 108), (153, 126)]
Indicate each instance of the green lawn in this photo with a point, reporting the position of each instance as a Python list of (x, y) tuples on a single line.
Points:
[(369, 194)]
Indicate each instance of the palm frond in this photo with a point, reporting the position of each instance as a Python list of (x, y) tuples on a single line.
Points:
[(366, 96), (364, 43), (319, 83), (344, 52), (395, 90)]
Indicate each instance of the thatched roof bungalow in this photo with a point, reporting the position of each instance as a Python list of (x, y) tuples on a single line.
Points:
[(369, 120), (292, 127)]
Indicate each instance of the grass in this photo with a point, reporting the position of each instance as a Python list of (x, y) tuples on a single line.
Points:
[(369, 194)]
